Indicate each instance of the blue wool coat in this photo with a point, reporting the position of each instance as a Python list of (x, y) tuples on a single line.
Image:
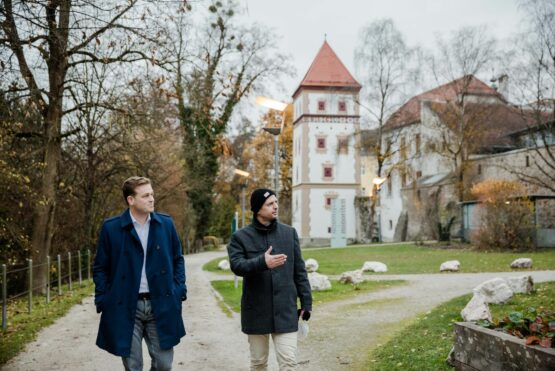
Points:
[(117, 275)]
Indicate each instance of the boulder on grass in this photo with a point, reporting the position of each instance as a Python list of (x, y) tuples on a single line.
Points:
[(319, 282), (522, 284), (450, 266), (223, 265), (522, 263), (377, 267), (311, 265), (352, 277), (476, 309), (496, 291)]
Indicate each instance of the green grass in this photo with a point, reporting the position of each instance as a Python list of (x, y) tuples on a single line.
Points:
[(405, 259), (425, 344), (212, 266), (339, 291), (409, 258), (24, 327)]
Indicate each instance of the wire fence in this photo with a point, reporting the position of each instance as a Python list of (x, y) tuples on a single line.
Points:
[(32, 278)]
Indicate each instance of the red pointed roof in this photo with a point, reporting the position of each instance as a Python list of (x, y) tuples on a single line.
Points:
[(327, 70)]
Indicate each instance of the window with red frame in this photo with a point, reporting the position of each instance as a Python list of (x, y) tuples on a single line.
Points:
[(321, 143), (328, 172), (321, 105), (342, 107), (328, 201)]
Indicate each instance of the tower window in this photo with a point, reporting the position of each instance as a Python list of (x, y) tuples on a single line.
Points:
[(328, 172), (321, 143), (527, 161), (479, 169), (342, 107), (321, 105), (343, 145)]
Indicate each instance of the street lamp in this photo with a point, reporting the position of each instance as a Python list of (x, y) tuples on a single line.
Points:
[(243, 185), (275, 130)]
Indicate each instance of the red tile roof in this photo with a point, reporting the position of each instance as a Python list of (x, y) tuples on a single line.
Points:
[(410, 112), (327, 70), (489, 125)]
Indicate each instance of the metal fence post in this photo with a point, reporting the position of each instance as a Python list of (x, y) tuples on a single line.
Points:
[(89, 264), (69, 267), (48, 279), (30, 267), (4, 298), (80, 267), (59, 275)]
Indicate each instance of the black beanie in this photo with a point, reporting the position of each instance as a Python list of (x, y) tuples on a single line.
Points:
[(258, 197)]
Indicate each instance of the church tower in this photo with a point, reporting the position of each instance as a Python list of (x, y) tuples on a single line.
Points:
[(326, 161)]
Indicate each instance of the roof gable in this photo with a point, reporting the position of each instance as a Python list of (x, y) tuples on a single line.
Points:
[(327, 70)]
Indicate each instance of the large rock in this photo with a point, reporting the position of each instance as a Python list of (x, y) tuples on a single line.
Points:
[(522, 263), (495, 291), (223, 265), (311, 265), (476, 309), (522, 284), (377, 267), (352, 277), (450, 266), (319, 282)]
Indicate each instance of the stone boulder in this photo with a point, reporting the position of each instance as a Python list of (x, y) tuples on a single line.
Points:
[(450, 266), (319, 282), (352, 277), (496, 291), (525, 263), (476, 309), (311, 265), (522, 284), (377, 267), (223, 265)]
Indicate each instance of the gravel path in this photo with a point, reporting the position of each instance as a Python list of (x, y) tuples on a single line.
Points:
[(340, 332)]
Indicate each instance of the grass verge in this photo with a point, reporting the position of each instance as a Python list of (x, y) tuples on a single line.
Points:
[(232, 296), (426, 342), (409, 258), (23, 327)]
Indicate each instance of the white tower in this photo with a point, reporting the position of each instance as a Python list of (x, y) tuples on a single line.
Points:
[(326, 161)]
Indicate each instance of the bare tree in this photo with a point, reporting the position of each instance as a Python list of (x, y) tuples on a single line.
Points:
[(227, 63), (44, 41), (534, 87)]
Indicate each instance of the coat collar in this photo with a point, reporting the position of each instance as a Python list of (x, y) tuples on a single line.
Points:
[(261, 227), (126, 218)]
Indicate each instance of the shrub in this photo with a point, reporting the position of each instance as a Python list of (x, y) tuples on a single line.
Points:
[(506, 215)]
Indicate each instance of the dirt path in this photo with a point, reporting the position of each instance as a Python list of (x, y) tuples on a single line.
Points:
[(340, 333)]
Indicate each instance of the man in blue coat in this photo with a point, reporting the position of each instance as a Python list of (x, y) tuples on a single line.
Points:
[(139, 276)]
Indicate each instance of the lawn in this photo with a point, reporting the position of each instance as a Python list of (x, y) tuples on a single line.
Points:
[(339, 291), (409, 258), (24, 327), (425, 344)]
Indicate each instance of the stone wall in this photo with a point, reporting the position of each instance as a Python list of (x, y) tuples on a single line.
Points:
[(478, 348)]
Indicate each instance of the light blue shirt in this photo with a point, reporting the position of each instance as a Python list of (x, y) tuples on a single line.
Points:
[(142, 231)]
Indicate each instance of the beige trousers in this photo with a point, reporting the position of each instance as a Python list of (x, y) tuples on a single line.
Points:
[(285, 346)]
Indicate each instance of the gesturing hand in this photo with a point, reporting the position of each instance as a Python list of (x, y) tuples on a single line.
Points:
[(273, 261)]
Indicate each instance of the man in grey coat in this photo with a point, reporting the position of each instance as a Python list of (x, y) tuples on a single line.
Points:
[(267, 255)]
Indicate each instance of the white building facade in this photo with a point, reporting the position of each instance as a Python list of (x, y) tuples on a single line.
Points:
[(326, 159)]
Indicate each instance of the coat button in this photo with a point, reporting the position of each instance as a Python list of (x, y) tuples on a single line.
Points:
[(158, 247), (163, 271)]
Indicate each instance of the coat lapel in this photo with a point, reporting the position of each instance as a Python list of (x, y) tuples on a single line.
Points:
[(127, 223)]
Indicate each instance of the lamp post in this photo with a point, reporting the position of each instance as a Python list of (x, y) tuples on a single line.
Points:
[(275, 130), (243, 185), (378, 181)]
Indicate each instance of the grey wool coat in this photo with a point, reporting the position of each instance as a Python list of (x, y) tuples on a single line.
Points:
[(269, 300)]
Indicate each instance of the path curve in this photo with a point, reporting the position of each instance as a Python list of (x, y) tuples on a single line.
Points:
[(215, 342)]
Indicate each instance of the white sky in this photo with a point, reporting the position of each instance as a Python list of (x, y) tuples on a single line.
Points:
[(301, 24)]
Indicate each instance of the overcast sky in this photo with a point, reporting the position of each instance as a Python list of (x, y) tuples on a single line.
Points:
[(302, 24)]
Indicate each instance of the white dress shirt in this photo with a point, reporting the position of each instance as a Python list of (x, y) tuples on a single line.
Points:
[(142, 231)]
